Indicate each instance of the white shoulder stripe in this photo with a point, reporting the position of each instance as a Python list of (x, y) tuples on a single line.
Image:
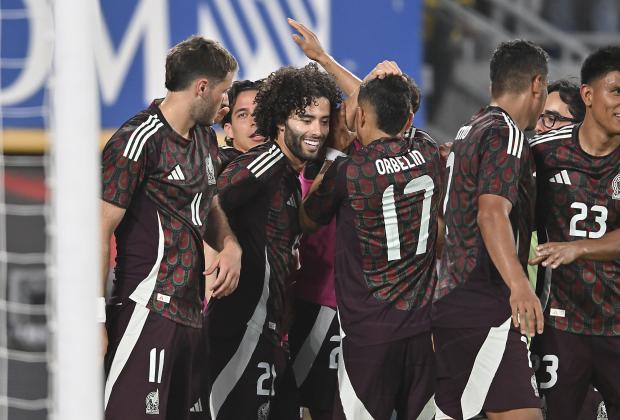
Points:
[(553, 133), (136, 132), (140, 135), (515, 138), (558, 136), (262, 156), (272, 162), (143, 141)]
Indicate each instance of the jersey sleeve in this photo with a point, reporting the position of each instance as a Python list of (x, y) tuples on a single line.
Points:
[(322, 205), (246, 176), (122, 171), (503, 152)]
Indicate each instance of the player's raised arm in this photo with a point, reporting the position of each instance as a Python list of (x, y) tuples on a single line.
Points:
[(312, 48)]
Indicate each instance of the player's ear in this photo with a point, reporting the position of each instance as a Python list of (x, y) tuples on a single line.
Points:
[(200, 86), (539, 85), (228, 130), (409, 122), (586, 95)]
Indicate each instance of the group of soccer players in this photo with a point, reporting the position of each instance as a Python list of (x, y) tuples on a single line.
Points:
[(407, 294)]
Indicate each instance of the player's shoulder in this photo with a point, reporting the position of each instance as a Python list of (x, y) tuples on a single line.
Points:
[(553, 137), (262, 160), (135, 134), (228, 153)]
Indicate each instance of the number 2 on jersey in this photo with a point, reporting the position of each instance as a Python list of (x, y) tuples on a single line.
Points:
[(392, 235)]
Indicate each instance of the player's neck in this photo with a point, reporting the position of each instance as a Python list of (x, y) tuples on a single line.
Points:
[(594, 140), (176, 111), (372, 135), (296, 163), (517, 107)]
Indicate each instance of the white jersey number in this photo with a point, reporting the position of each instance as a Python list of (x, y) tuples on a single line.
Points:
[(392, 235), (335, 353), (600, 217), (270, 373)]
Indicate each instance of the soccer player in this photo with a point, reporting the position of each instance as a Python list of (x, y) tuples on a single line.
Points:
[(578, 174), (238, 124), (260, 193), (483, 296), (386, 198), (563, 106), (240, 128), (158, 187)]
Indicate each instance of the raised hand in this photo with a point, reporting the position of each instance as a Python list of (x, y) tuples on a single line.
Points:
[(307, 41)]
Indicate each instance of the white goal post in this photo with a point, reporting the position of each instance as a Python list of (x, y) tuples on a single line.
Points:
[(77, 354)]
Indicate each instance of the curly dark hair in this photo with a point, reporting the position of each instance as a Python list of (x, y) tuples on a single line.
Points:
[(289, 90)]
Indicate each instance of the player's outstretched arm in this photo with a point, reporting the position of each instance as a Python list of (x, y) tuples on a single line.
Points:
[(220, 237), (552, 254), (494, 223), (312, 48)]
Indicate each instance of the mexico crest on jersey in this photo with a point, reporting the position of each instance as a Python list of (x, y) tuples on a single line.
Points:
[(210, 171), (615, 185)]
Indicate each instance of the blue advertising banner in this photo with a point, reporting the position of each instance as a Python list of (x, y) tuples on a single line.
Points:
[(133, 36)]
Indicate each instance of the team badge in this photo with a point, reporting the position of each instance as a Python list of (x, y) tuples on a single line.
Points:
[(615, 185), (152, 402), (210, 171), (263, 411)]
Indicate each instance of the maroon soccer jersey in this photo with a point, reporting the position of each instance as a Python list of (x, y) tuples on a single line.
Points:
[(166, 183), (490, 155), (227, 154), (260, 193), (386, 197), (579, 198)]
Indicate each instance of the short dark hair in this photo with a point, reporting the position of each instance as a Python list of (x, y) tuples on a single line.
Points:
[(289, 90), (514, 64), (197, 57), (234, 91), (391, 100), (571, 96), (599, 63)]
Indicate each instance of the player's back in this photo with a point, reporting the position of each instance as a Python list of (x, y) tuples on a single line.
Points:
[(386, 238), (489, 156)]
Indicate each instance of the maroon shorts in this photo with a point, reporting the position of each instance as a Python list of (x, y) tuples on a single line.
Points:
[(482, 369), (315, 344), (151, 365), (244, 373), (374, 381), (568, 364)]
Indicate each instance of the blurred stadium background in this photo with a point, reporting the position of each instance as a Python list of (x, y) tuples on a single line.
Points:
[(444, 44)]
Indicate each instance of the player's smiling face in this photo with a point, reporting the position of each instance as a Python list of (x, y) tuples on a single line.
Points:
[(603, 98), (305, 133)]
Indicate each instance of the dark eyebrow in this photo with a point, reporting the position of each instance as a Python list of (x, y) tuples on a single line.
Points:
[(241, 109)]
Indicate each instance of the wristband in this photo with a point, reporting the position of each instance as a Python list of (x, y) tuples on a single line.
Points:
[(331, 154), (100, 306)]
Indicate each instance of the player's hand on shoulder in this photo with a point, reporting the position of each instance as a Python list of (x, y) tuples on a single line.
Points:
[(527, 313), (228, 266), (307, 41), (552, 254)]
